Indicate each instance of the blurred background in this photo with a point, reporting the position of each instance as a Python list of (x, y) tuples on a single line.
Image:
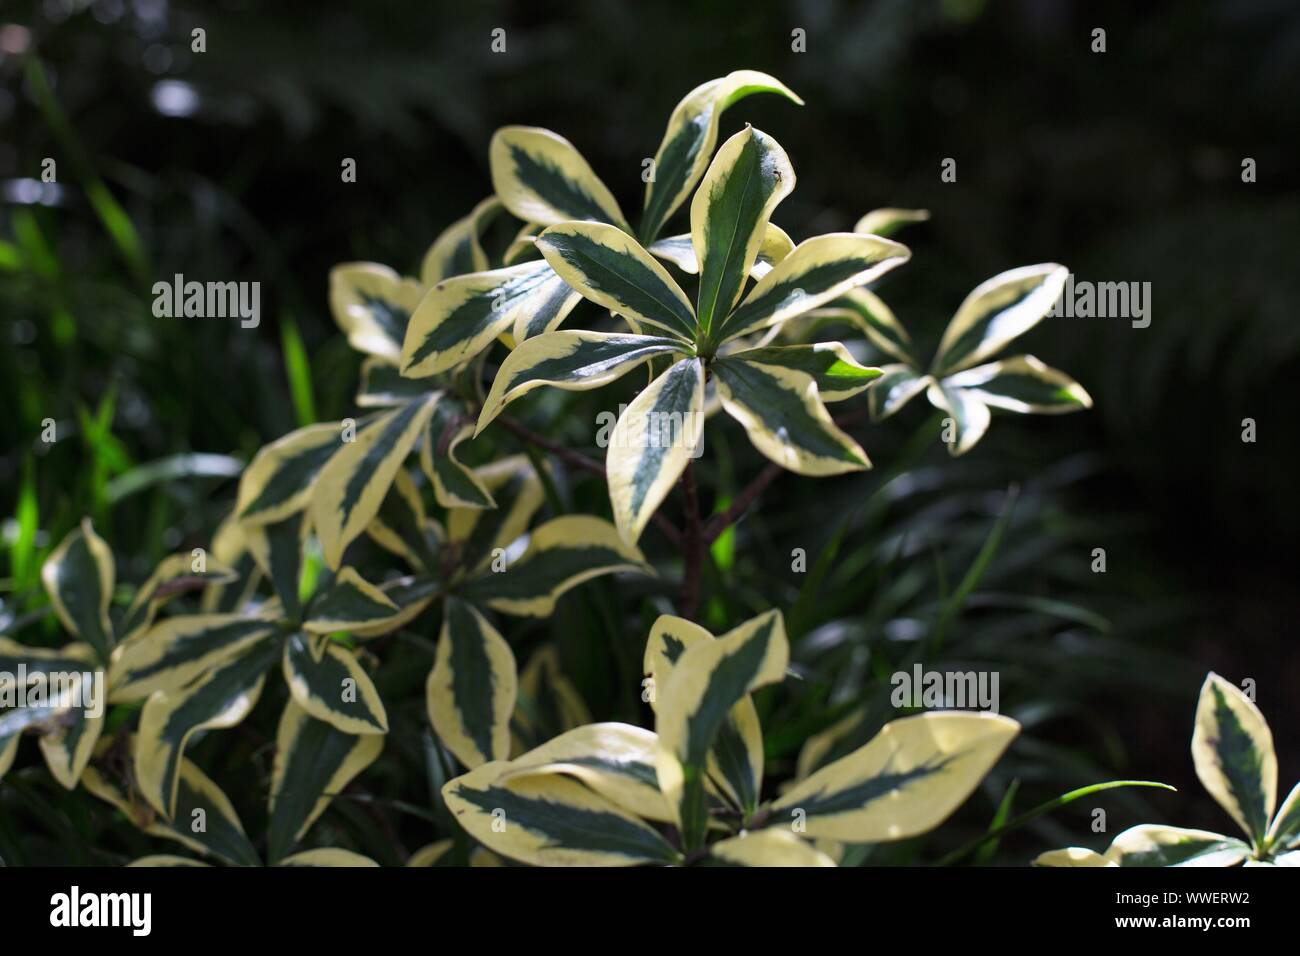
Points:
[(1124, 165)]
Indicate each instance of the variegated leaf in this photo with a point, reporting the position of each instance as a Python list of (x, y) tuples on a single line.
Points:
[(216, 830), (349, 602), (837, 373), (735, 760), (997, 311), (748, 177), (906, 780), (478, 533), (680, 251), (561, 554), (383, 386), (175, 574), (403, 527), (411, 594), (768, 848), (1284, 833), (654, 438), (180, 649), (818, 271), (372, 304), (541, 177), (460, 317), (688, 142), (78, 577), (459, 250), (1152, 845), (615, 760), (455, 485), (865, 310), (169, 719), (897, 385), (328, 856), (705, 684), (548, 703), (329, 683), (573, 361), (471, 690), (279, 479), (278, 548), (314, 761), (610, 268), (885, 222), (352, 486), (784, 416), (1022, 384), (550, 819), (1073, 856), (1233, 751), (967, 419)]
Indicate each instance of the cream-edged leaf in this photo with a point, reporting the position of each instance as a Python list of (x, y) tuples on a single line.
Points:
[(572, 361), (651, 444), (79, 577), (383, 385), (1285, 829), (1153, 845), (314, 761), (748, 177), (783, 414), (967, 418), (352, 486), (768, 848), (906, 780), (706, 683), (817, 271), (897, 385), (459, 318), (615, 760), (175, 574), (455, 485), (997, 311), (735, 761), (867, 312), (550, 819), (180, 649), (1072, 856), (279, 479), (540, 177), (688, 142), (328, 856), (471, 691), (1232, 748), (610, 268), (561, 554), (350, 601), (885, 222), (680, 251), (837, 373), (329, 683), (459, 249), (222, 698), (1022, 384), (372, 304)]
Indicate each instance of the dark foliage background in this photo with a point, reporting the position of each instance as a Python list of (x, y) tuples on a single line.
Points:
[(1124, 165)]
